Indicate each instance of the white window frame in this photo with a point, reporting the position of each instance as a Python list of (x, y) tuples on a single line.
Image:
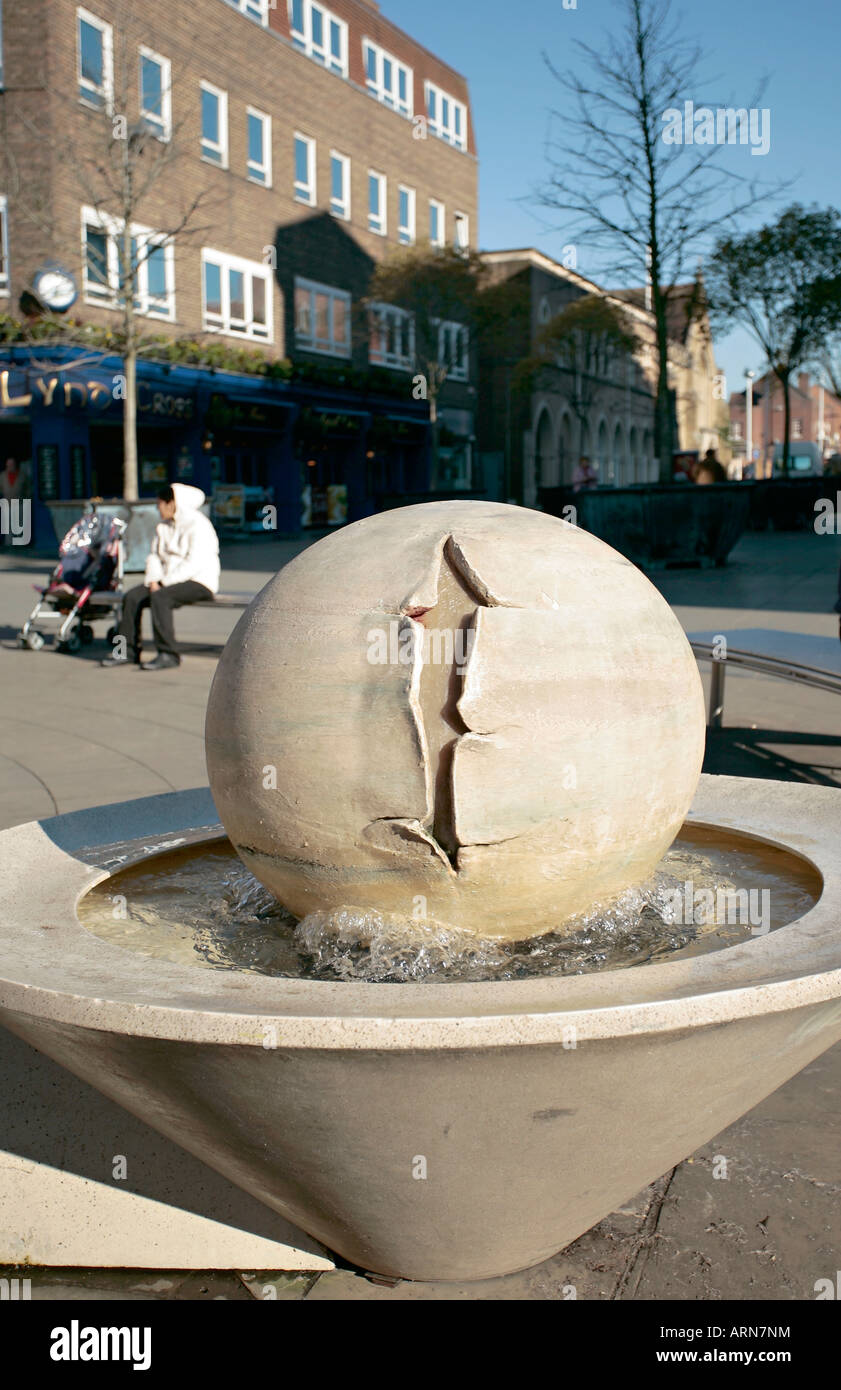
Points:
[(378, 223), (5, 273), (302, 39), (223, 145), (382, 313), (305, 193), (461, 219), (248, 8), (308, 342), (106, 92), (165, 134), (441, 239), (435, 123), (448, 327), (343, 212), (108, 296), (388, 96), (263, 174), (222, 323), (407, 232)]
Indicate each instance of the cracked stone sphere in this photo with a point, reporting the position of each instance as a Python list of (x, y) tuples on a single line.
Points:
[(466, 712)]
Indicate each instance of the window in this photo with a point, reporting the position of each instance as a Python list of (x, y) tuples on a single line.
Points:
[(339, 185), (392, 337), (214, 125), (237, 296), (259, 131), (406, 215), (376, 203), (4, 247), (797, 429), (304, 169), (453, 349), (386, 79), (319, 34), (96, 74), (446, 117), (322, 318), (152, 269), (255, 9), (436, 223), (155, 92), (461, 231)]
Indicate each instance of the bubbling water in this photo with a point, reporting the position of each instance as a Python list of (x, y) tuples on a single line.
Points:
[(201, 906)]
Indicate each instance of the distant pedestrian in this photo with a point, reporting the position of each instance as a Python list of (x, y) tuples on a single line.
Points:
[(585, 475), (711, 465), (183, 567)]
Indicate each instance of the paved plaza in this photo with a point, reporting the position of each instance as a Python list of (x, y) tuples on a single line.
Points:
[(73, 736)]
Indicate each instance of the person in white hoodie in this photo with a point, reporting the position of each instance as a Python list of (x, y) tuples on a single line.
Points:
[(183, 567)]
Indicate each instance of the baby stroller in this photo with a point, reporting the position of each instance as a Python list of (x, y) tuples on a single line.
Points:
[(84, 587)]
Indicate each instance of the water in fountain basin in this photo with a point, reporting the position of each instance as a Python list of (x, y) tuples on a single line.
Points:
[(201, 906)]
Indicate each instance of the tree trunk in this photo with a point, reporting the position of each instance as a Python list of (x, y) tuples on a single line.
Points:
[(129, 289), (663, 434), (130, 478), (433, 438), (785, 379)]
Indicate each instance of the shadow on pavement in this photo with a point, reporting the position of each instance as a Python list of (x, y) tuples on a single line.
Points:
[(756, 753)]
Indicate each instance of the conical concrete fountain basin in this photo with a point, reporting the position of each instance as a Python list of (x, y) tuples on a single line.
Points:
[(430, 1131)]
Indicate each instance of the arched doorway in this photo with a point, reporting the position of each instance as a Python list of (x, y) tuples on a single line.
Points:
[(618, 455), (604, 455), (635, 471), (566, 460), (545, 456)]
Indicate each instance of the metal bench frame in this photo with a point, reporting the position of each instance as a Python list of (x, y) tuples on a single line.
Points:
[(763, 665)]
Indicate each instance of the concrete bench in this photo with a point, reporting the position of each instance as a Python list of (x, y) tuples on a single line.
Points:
[(225, 601), (792, 656)]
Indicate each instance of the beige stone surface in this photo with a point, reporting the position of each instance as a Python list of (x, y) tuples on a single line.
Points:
[(550, 769), (538, 1106)]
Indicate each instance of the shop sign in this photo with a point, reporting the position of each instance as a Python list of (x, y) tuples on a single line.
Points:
[(57, 392)]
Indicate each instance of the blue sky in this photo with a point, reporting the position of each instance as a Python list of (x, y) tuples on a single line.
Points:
[(498, 44)]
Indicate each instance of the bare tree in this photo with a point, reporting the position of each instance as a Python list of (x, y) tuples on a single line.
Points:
[(651, 206)]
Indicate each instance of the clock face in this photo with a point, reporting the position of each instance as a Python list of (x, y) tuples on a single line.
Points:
[(56, 288)]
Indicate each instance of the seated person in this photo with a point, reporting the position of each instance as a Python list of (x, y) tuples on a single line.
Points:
[(183, 567)]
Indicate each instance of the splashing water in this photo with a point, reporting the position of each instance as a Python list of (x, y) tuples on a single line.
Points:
[(201, 906)]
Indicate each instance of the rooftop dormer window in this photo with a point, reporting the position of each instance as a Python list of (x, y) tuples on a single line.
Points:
[(387, 79), (320, 34)]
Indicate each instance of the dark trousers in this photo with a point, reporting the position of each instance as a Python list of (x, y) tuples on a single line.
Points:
[(162, 603)]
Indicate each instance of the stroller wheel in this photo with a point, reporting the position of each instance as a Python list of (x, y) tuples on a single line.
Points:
[(33, 640), (86, 634), (72, 643)]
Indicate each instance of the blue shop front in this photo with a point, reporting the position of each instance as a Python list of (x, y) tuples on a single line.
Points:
[(320, 457)]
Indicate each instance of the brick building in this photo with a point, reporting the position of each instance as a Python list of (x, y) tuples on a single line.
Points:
[(611, 421), (278, 150), (815, 420)]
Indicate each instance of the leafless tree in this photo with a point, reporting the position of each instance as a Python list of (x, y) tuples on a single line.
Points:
[(650, 206)]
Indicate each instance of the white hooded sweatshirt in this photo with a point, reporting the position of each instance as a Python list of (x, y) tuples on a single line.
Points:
[(186, 547)]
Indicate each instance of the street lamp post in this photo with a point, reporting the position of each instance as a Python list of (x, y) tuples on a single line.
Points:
[(749, 417)]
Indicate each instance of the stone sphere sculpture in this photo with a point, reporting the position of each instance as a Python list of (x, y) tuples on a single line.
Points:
[(468, 712)]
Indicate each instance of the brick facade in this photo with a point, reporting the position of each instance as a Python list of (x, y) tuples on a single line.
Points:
[(50, 136)]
